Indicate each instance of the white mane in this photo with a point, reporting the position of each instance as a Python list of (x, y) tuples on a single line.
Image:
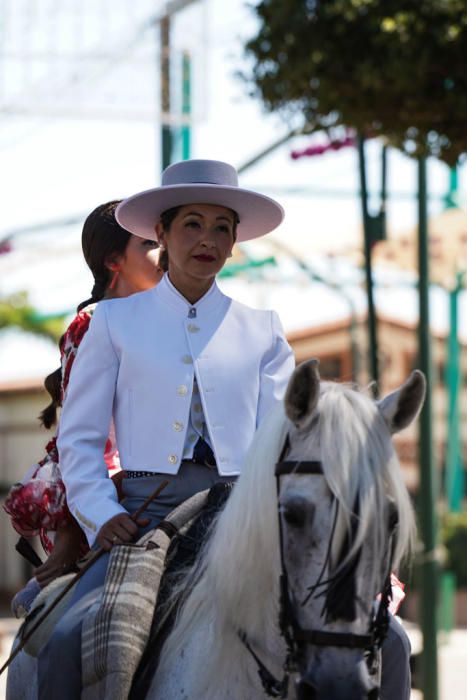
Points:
[(235, 584), (359, 460)]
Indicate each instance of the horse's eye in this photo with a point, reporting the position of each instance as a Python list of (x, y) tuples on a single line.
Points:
[(295, 512)]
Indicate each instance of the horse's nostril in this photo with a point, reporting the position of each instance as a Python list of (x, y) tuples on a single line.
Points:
[(304, 689)]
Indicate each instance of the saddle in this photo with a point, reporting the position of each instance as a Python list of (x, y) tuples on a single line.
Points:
[(116, 653), (181, 556)]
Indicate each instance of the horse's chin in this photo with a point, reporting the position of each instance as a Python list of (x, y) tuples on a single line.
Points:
[(304, 690), (313, 685)]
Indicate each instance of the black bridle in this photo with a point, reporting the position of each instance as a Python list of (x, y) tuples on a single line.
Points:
[(294, 635)]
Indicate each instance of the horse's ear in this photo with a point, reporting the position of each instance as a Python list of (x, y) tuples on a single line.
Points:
[(302, 393), (403, 405)]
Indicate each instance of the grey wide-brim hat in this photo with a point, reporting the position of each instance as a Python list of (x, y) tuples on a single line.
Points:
[(200, 182)]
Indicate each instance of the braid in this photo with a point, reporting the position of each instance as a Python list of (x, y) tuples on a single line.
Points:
[(102, 238), (53, 384), (97, 293)]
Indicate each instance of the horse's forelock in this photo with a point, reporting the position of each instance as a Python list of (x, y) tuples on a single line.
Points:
[(360, 465)]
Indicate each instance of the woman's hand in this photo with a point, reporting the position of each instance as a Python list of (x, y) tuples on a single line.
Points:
[(121, 528), (67, 550)]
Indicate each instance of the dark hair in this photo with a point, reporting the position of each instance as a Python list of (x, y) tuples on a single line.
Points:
[(168, 216), (163, 259), (102, 238), (53, 384)]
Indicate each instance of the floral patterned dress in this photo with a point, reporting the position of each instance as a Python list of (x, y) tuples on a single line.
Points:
[(37, 505)]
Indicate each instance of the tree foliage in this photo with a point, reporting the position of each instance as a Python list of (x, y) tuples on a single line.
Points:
[(393, 68), (454, 537), (16, 311)]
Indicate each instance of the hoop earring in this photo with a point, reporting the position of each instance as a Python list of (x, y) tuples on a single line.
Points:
[(113, 281)]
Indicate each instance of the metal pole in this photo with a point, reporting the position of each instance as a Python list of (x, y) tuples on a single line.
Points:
[(186, 105), (353, 326), (270, 149), (166, 130), (450, 199), (454, 472), (167, 136), (372, 329), (384, 190), (428, 490)]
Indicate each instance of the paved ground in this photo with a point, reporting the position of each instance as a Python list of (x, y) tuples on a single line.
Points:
[(452, 660)]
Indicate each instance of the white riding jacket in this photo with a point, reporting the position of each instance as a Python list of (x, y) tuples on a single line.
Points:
[(137, 363)]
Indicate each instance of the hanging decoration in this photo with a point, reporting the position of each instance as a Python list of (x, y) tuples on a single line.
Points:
[(320, 149)]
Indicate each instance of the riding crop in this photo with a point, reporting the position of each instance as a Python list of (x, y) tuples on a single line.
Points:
[(97, 554)]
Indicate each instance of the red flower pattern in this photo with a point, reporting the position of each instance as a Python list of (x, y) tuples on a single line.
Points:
[(78, 328), (38, 506)]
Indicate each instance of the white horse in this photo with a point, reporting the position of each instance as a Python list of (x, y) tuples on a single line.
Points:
[(338, 537), (324, 526)]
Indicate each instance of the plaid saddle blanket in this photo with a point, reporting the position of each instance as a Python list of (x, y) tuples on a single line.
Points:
[(116, 629)]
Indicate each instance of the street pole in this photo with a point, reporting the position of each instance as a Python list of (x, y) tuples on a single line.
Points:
[(372, 329), (454, 471), (353, 326), (428, 491), (186, 105), (167, 135), (384, 190), (166, 129)]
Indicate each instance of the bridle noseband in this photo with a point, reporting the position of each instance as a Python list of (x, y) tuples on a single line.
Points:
[(294, 635)]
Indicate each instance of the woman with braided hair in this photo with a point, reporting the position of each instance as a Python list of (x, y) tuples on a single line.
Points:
[(121, 264)]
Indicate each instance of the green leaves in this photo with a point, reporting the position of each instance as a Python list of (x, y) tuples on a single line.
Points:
[(454, 536), (394, 68), (16, 311)]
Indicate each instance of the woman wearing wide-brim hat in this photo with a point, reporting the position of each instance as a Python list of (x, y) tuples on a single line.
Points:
[(186, 373)]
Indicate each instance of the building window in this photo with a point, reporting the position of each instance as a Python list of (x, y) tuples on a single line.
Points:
[(336, 367)]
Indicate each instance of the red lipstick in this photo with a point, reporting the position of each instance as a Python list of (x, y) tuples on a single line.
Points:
[(204, 257)]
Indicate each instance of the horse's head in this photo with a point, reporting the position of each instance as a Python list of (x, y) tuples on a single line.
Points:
[(345, 521)]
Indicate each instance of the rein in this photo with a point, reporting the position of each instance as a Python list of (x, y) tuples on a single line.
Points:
[(294, 635)]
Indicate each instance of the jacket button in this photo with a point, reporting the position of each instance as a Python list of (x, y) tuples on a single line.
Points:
[(173, 459), (193, 328), (187, 360), (182, 390), (197, 408), (177, 426)]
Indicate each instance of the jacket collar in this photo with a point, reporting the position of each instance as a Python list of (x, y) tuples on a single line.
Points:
[(169, 295)]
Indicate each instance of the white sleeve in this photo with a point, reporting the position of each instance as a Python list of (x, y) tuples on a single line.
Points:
[(277, 366), (84, 428)]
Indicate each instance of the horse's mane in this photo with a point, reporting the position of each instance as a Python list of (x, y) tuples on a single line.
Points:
[(234, 586), (361, 465)]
